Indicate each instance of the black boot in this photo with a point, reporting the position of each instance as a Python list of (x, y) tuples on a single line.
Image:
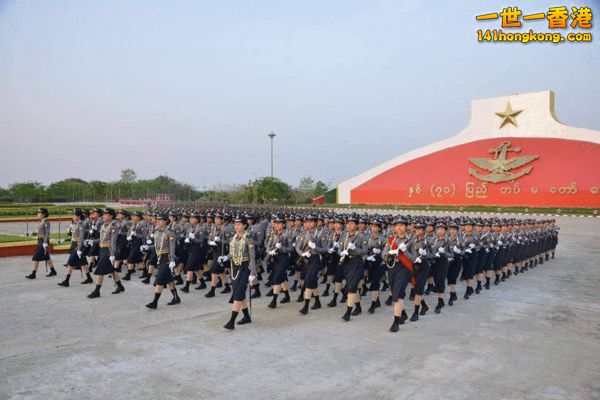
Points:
[(201, 285), (119, 288), (256, 293), (186, 288), (294, 287), (412, 294), (429, 289), (317, 304), (453, 298), (246, 319), (51, 273), (127, 276), (415, 316), (516, 270), (270, 293), (487, 283), (371, 309), (503, 277), (231, 324), (65, 283), (147, 279), (300, 298), (31, 275), (468, 293), (273, 303), (439, 306), (478, 288), (364, 291), (95, 293), (357, 309), (326, 292), (497, 280), (286, 297), (346, 316), (403, 317), (154, 303), (389, 300), (508, 274), (424, 307), (175, 299), (227, 288), (88, 279), (396, 325), (304, 310), (178, 280), (211, 293), (333, 302), (344, 297)]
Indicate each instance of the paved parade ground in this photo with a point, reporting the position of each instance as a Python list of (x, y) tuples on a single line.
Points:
[(536, 336)]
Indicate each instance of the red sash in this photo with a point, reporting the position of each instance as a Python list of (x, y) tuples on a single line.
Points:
[(403, 259)]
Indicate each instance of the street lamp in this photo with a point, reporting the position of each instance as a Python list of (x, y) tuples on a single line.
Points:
[(271, 136)]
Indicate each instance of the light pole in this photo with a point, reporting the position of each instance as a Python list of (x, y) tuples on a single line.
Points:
[(272, 136)]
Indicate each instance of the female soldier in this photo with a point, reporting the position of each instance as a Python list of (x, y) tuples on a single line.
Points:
[(352, 249), (399, 269), (439, 263), (76, 259), (164, 247), (419, 251), (454, 260), (107, 244), (309, 248), (218, 250), (197, 245), (43, 240), (278, 250), (374, 262), (135, 237), (243, 271)]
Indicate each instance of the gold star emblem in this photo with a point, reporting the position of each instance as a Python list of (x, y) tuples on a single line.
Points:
[(508, 116)]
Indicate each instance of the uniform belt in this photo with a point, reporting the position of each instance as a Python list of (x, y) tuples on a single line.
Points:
[(161, 252), (244, 259), (104, 246), (74, 240)]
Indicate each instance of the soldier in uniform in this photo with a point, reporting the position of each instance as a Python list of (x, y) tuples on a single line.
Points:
[(150, 256), (439, 263), (278, 249), (217, 243), (135, 237), (43, 241), (332, 258), (107, 244), (256, 233), (353, 247), (419, 253), (178, 232), (374, 263), (164, 247), (76, 259), (123, 224), (243, 271), (309, 248), (197, 248), (468, 243), (93, 236)]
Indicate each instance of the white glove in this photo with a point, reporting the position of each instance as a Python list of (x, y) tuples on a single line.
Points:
[(251, 278), (133, 234), (149, 241), (191, 236), (437, 255), (393, 252), (112, 259), (306, 254), (172, 265), (402, 246), (456, 249), (79, 253), (220, 259), (422, 251), (312, 244), (277, 245), (45, 245), (418, 260), (487, 250), (336, 244), (225, 258), (344, 253), (469, 251), (216, 239), (351, 246), (331, 250), (212, 243), (441, 250), (152, 235), (376, 250), (187, 240), (371, 258), (272, 252), (142, 248), (472, 245), (129, 238)]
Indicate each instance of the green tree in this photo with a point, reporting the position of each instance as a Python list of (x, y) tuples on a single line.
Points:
[(320, 188), (128, 175), (27, 192)]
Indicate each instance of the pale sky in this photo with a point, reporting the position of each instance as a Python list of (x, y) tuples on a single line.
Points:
[(191, 89)]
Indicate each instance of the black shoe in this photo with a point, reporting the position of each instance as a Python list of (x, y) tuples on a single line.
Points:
[(226, 290), (325, 293), (174, 300), (256, 293), (245, 320), (294, 287), (332, 303), (127, 276), (201, 286), (64, 283), (269, 293), (467, 293), (300, 298), (178, 280), (453, 298), (211, 293), (497, 280), (87, 281), (516, 271), (424, 308), (403, 317), (357, 310), (230, 325), (273, 303), (439, 306), (429, 289), (94, 294), (478, 288), (364, 291), (118, 289), (30, 276), (509, 273), (51, 273), (344, 298), (147, 280), (389, 300), (371, 309), (185, 289), (415, 316), (317, 304), (346, 316), (487, 285), (304, 310), (286, 299), (395, 327), (152, 305)]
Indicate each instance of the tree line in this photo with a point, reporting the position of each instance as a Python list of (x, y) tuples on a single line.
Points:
[(264, 190)]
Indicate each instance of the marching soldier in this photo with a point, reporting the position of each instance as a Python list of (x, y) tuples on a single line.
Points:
[(309, 248), (197, 248), (353, 248), (76, 259), (135, 236), (217, 243), (374, 263), (468, 243), (43, 241), (439, 263), (419, 252), (454, 260), (278, 249)]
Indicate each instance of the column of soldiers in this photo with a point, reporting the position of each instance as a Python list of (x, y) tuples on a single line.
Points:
[(354, 256)]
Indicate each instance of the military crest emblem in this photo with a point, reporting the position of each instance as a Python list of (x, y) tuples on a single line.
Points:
[(500, 167)]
